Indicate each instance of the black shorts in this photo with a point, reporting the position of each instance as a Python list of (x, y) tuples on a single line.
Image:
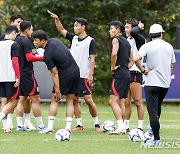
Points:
[(7, 90), (84, 88), (28, 85), (119, 87), (136, 77), (69, 84)]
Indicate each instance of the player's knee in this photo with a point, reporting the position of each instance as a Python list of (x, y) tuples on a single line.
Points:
[(111, 102), (138, 102), (14, 103), (89, 102)]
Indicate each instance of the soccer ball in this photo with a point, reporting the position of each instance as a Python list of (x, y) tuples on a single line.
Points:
[(147, 137), (39, 52), (135, 135), (62, 135), (108, 126)]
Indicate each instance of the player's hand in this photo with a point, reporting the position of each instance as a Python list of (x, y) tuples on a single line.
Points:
[(141, 25), (146, 72), (53, 15), (115, 68), (57, 95), (90, 79), (17, 83), (34, 51)]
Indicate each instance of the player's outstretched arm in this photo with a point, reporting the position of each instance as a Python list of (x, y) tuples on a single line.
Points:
[(59, 26)]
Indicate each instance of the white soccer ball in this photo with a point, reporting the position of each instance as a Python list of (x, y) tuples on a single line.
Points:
[(146, 137), (40, 52), (108, 126), (62, 135), (136, 135)]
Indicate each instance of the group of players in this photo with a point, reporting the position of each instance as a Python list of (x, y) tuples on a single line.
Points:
[(72, 74)]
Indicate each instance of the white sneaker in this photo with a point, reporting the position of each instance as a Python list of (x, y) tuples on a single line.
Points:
[(47, 131), (29, 126), (41, 130), (118, 132)]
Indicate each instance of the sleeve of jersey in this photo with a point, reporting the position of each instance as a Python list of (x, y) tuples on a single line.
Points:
[(16, 66), (32, 58), (92, 47), (69, 36), (135, 31)]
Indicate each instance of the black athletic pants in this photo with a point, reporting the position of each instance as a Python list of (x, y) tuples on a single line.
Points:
[(154, 98)]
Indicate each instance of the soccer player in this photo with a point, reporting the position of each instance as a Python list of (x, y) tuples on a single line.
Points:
[(28, 85), (9, 73), (83, 50), (160, 59), (121, 61), (16, 19), (136, 40), (64, 71)]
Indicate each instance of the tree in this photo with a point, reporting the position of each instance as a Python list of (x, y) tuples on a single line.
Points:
[(99, 14)]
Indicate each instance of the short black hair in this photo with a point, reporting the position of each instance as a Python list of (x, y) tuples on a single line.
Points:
[(10, 28), (155, 35), (16, 16), (133, 22), (82, 21), (40, 34), (119, 25), (25, 25)]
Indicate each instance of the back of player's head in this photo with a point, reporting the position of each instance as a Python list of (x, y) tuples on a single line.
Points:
[(16, 16), (132, 22), (155, 30), (40, 34), (155, 35), (10, 28), (25, 25), (82, 21), (118, 24)]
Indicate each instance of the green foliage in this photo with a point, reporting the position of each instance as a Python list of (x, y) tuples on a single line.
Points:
[(99, 14)]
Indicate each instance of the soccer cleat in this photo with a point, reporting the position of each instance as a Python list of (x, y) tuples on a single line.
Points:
[(20, 129), (78, 128), (47, 131), (150, 131), (153, 143), (7, 130), (50, 131), (41, 130), (97, 127), (29, 126), (118, 132)]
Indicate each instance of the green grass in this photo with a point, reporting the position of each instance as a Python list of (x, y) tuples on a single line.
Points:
[(88, 141)]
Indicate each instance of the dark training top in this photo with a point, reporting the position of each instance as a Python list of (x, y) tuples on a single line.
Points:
[(122, 58), (25, 46), (2, 37), (57, 54), (139, 39)]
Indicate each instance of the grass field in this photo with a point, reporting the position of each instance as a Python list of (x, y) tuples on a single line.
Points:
[(88, 141)]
